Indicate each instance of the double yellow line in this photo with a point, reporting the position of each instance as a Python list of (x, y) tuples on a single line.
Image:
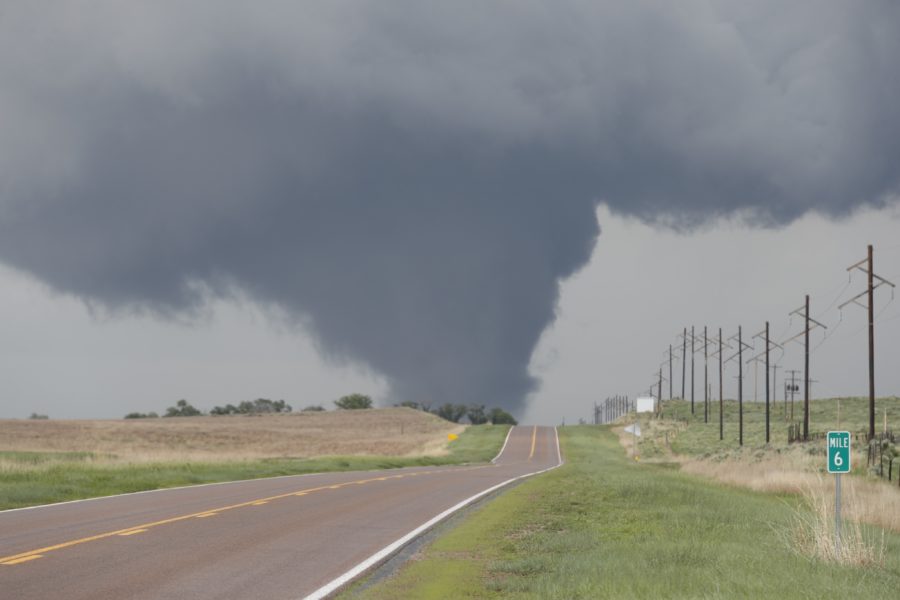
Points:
[(22, 557)]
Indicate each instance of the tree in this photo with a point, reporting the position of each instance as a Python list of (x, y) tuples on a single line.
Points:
[(314, 408), (38, 417), (410, 404), (140, 415), (256, 407), (476, 414), (182, 409), (451, 412), (353, 402), (499, 416)]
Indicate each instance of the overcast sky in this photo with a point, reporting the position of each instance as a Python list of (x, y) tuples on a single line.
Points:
[(219, 200)]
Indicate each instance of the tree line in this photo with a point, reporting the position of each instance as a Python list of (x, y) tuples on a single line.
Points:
[(477, 414)]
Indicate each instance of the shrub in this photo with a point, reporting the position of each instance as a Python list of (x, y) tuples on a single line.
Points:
[(140, 415), (353, 402), (182, 409), (499, 416)]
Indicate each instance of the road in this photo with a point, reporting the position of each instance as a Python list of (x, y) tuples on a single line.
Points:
[(284, 537)]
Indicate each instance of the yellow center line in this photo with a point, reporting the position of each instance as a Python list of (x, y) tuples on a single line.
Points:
[(38, 553), (21, 560), (133, 532), (533, 440), (260, 503)]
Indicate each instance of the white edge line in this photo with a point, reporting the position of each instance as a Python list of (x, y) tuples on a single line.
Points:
[(342, 580), (506, 441)]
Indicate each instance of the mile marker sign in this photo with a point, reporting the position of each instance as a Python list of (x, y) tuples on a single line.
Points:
[(838, 451)]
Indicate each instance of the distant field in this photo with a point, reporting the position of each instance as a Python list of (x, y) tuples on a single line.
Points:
[(382, 432), (53, 461)]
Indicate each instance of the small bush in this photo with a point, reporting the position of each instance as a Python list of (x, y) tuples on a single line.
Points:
[(182, 409)]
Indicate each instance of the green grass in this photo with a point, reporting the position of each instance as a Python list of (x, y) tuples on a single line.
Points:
[(32, 478), (702, 439), (604, 526)]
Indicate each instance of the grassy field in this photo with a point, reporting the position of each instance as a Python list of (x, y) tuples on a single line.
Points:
[(28, 478), (604, 526), (376, 432), (697, 438), (778, 467)]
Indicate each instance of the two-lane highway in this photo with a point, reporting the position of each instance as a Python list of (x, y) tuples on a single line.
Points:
[(284, 537)]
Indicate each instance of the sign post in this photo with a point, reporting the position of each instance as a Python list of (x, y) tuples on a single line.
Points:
[(838, 462)]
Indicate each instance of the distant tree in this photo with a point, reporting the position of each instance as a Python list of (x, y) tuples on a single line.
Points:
[(451, 412), (182, 409), (38, 417), (499, 416), (313, 408), (476, 414), (140, 415), (353, 402), (255, 407)]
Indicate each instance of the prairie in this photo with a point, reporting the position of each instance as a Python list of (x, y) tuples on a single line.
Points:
[(399, 432), (53, 461)]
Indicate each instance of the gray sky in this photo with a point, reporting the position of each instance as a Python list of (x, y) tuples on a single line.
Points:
[(403, 186)]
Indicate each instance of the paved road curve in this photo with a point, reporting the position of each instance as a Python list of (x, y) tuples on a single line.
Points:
[(271, 538)]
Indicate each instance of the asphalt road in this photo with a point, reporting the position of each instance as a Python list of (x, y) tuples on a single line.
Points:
[(273, 538)]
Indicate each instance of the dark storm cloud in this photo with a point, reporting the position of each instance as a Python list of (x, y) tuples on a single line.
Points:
[(414, 179)]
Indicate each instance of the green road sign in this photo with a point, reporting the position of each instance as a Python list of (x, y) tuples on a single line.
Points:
[(838, 451)]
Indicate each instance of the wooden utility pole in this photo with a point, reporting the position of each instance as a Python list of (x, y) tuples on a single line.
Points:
[(721, 421), (740, 357), (692, 368), (804, 312), (705, 377), (683, 361), (806, 374), (767, 382), (740, 389), (764, 355), (670, 372), (870, 292)]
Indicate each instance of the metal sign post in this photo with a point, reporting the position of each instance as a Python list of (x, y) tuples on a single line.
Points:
[(838, 462)]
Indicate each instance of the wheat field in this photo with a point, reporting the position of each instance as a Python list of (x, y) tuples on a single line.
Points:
[(399, 432)]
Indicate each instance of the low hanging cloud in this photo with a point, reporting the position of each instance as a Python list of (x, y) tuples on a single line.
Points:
[(412, 179)]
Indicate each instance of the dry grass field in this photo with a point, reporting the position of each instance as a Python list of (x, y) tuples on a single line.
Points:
[(399, 432)]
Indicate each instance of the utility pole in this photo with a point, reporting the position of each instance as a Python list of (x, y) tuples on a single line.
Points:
[(764, 334), (720, 351), (775, 383), (870, 292), (683, 361), (803, 311), (670, 372), (693, 339), (705, 377), (740, 357), (721, 421)]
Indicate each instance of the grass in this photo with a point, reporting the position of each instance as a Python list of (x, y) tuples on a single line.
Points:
[(376, 432), (696, 438), (31, 478), (604, 526), (776, 467)]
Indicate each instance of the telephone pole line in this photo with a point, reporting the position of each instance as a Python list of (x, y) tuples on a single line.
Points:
[(805, 334), (870, 292), (722, 345), (764, 334), (740, 357), (683, 361)]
